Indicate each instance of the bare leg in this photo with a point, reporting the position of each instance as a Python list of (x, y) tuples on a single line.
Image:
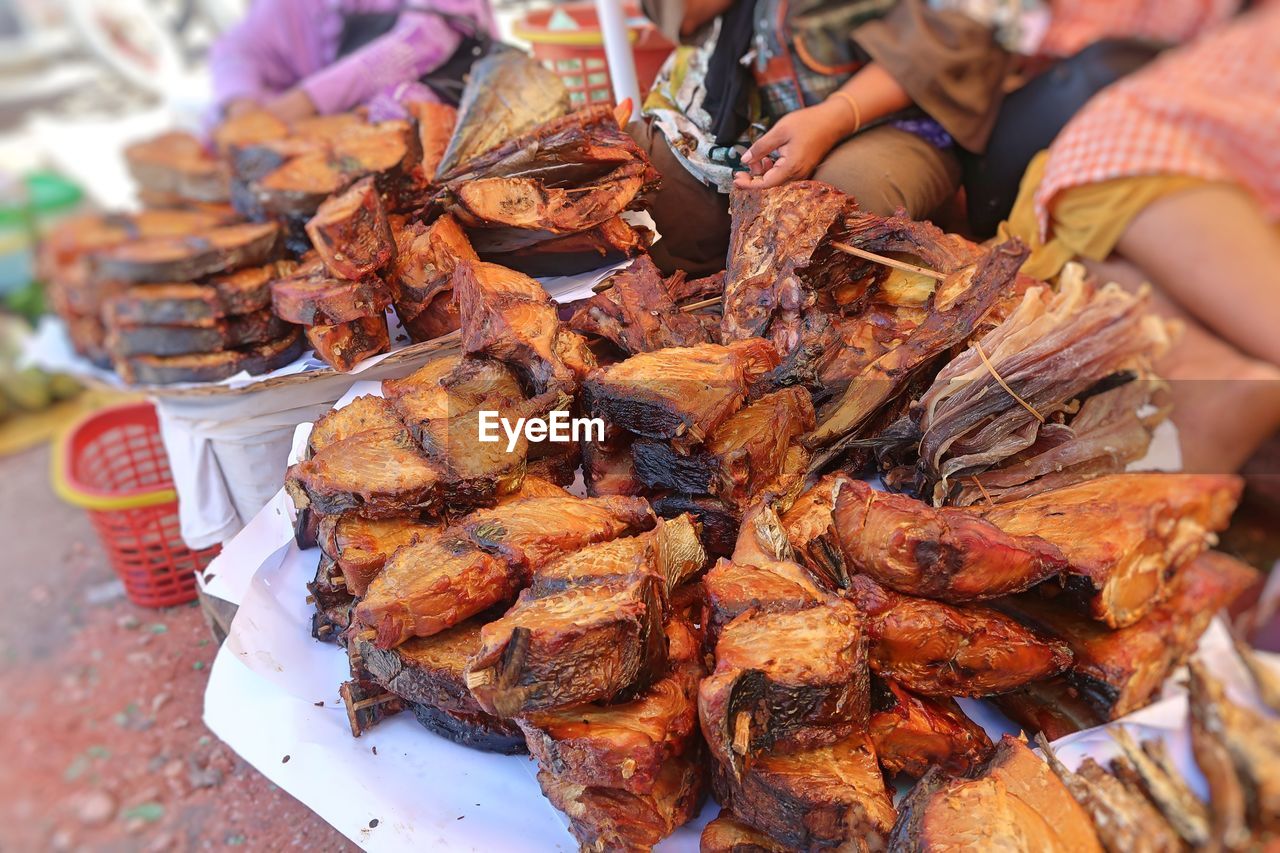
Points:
[(1210, 251), (1226, 404)]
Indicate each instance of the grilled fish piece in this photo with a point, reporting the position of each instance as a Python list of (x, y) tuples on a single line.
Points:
[(545, 210), (787, 681), (426, 377), (361, 546), (607, 243), (427, 673), (309, 299), (1118, 672), (531, 532), (344, 345), (507, 94), (600, 643), (225, 334), (742, 455), (761, 575), (670, 552), (79, 236), (1016, 803), (436, 123), (351, 232), (954, 311), (508, 316), (296, 188), (434, 584), (938, 650), (912, 733), (1125, 535), (1051, 707), (1028, 778), (379, 473), (944, 813), (187, 258), (616, 819), (579, 148), (779, 587), (728, 834), (362, 414), (775, 235), (176, 163), (608, 467), (623, 746), (678, 393), (1251, 740), (211, 366), (451, 385), (930, 647), (388, 150), (910, 547), (825, 797), (638, 313), (202, 304), (1144, 771), (423, 269)]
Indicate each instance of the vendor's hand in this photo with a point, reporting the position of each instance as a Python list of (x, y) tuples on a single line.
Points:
[(240, 106), (801, 140), (291, 106)]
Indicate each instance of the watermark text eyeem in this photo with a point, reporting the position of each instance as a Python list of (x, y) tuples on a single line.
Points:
[(557, 426)]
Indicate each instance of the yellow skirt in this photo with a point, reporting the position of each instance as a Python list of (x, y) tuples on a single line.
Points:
[(1085, 221)]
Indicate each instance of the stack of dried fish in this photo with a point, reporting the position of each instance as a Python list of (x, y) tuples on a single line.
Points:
[(65, 261), (429, 535), (284, 172), (195, 307), (825, 651), (1057, 393), (340, 297)]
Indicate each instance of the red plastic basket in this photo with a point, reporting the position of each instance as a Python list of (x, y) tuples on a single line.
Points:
[(113, 464), (578, 55)]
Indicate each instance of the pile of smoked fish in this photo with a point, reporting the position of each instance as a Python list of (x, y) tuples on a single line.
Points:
[(278, 235), (723, 605)]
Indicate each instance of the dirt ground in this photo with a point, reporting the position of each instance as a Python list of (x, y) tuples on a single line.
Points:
[(100, 705)]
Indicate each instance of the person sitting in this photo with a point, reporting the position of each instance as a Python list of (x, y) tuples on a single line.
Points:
[(1172, 176), (872, 96), (297, 58)]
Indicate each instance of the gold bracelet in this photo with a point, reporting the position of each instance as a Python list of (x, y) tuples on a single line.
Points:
[(853, 105)]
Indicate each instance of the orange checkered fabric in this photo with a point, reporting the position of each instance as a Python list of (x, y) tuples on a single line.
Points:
[(1209, 110)]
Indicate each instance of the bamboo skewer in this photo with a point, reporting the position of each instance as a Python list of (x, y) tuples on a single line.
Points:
[(886, 261), (702, 303)]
